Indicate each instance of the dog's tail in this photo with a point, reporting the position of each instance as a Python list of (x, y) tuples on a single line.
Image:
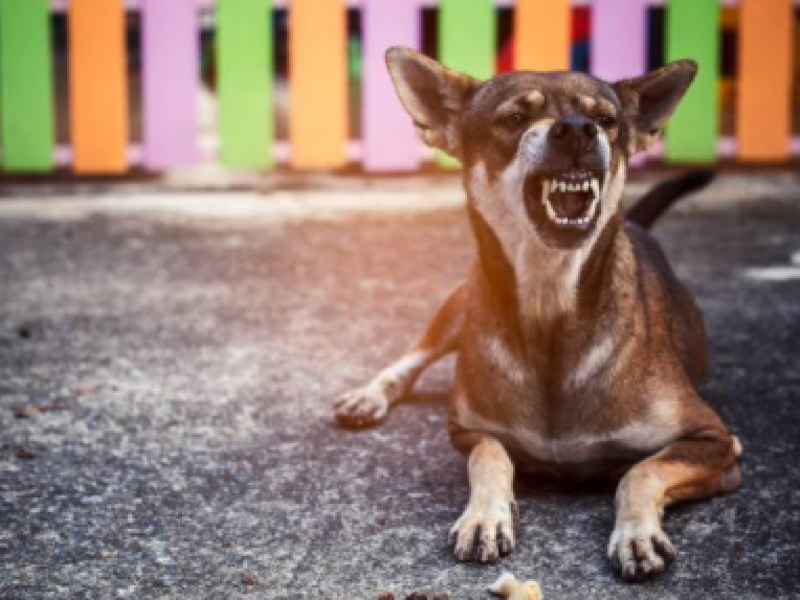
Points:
[(656, 202)]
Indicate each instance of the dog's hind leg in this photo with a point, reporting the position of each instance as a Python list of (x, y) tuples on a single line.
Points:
[(370, 404), (700, 465)]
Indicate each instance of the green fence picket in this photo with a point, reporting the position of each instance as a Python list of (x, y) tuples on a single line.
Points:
[(693, 32), (245, 76), (467, 42), (26, 85)]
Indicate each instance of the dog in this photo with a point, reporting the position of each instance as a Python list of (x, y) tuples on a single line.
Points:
[(579, 351)]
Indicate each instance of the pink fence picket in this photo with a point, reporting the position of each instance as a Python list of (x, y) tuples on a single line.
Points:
[(617, 55), (389, 141), (171, 51)]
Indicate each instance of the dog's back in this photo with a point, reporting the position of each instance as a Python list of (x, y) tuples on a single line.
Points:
[(684, 319)]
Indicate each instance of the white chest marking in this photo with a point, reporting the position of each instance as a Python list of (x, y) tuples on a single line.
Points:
[(499, 355), (654, 431), (592, 361)]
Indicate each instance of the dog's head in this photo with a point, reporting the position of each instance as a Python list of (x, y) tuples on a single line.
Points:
[(551, 148)]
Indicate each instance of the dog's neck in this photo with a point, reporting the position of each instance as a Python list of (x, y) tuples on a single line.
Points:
[(532, 283), (539, 287)]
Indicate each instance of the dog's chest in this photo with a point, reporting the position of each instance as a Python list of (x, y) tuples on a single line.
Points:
[(580, 447), (576, 420)]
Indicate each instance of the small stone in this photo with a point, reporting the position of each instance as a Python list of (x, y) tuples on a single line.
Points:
[(26, 412), (126, 592), (92, 500), (24, 453), (25, 331), (32, 410), (54, 405), (249, 579), (85, 388), (226, 544), (386, 596)]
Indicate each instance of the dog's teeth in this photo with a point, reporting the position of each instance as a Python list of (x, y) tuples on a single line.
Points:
[(596, 187), (585, 186), (593, 208), (546, 201)]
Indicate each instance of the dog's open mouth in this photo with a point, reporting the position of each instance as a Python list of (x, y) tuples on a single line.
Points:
[(570, 199)]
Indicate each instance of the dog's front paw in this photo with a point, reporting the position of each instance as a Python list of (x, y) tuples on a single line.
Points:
[(640, 550), (485, 531), (361, 408)]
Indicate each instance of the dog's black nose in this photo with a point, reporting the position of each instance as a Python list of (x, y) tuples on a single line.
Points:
[(573, 135)]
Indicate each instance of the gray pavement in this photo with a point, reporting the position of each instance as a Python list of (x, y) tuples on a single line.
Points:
[(185, 350)]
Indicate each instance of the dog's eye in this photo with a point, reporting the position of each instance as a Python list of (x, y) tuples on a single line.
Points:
[(512, 120), (607, 121)]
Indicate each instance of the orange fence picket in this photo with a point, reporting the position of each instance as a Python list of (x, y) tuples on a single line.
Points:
[(542, 35), (764, 111), (98, 86), (318, 120)]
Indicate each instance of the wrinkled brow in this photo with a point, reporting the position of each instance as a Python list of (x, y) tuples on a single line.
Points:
[(531, 100)]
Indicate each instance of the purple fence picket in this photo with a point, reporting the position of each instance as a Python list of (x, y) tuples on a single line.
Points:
[(619, 38), (171, 51), (389, 141)]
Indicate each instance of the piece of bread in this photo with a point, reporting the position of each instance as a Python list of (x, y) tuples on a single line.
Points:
[(509, 587)]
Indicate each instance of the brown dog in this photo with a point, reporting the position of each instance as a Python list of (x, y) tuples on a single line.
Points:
[(578, 349)]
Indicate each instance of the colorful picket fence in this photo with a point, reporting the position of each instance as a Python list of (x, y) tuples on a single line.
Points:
[(318, 78)]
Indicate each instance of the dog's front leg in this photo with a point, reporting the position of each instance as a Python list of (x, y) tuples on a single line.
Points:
[(687, 469), (370, 404), (486, 529)]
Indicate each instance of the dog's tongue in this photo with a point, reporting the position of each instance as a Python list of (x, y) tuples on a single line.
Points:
[(570, 204)]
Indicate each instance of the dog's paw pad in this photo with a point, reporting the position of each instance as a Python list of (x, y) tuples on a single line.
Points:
[(640, 551), (484, 533), (361, 408)]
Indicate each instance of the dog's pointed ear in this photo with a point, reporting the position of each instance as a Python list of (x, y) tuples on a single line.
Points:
[(432, 94), (649, 101)]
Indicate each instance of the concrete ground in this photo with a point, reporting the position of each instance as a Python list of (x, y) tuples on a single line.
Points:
[(167, 365)]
